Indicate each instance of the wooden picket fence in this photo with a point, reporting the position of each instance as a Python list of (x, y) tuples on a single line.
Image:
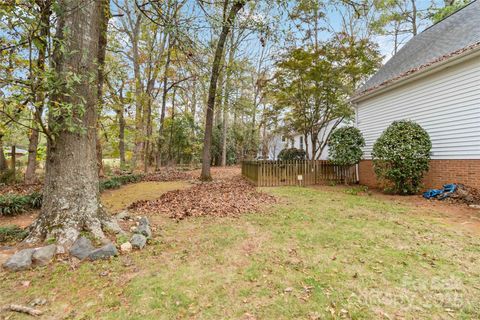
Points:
[(297, 173)]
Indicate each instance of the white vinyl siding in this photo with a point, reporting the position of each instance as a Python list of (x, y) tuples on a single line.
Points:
[(445, 103), (279, 143)]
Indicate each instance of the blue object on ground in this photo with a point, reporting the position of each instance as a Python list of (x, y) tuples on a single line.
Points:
[(440, 194), (432, 193), (449, 187)]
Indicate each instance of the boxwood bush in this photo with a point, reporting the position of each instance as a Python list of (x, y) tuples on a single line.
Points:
[(292, 154), (345, 146), (401, 157)]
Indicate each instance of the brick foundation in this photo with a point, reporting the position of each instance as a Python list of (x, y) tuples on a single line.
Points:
[(440, 173)]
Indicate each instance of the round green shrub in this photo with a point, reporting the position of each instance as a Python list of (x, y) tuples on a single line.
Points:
[(345, 146), (401, 157), (292, 154)]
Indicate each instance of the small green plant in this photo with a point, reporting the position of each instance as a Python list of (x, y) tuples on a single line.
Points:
[(35, 200), (12, 233), (117, 181), (356, 190), (110, 184), (345, 146), (122, 239), (292, 154), (401, 157), (11, 204)]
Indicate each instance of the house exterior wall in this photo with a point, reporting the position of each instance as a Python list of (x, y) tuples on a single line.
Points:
[(440, 173), (278, 144), (447, 105)]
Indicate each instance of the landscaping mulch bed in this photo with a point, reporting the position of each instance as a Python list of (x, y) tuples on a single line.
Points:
[(223, 197)]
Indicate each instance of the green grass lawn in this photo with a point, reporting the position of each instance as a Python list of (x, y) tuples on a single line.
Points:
[(315, 255)]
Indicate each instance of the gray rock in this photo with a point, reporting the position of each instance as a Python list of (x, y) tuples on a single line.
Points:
[(124, 215), (144, 229), (138, 241), (126, 247), (22, 260), (144, 221), (104, 252), (42, 256), (38, 302), (81, 248), (112, 225)]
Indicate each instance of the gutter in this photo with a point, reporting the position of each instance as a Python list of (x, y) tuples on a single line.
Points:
[(425, 70)]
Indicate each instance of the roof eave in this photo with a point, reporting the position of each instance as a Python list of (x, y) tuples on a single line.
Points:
[(435, 67)]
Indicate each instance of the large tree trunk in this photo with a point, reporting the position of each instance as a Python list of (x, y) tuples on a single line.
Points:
[(102, 48), (71, 197), (158, 156), (212, 91), (44, 7)]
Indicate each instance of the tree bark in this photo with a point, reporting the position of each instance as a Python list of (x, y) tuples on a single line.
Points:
[(231, 56), (414, 18), (121, 137), (158, 157), (138, 95), (148, 124), (102, 47), (3, 160), (71, 197), (98, 148), (44, 7), (13, 160), (212, 92), (225, 129), (30, 176), (172, 127)]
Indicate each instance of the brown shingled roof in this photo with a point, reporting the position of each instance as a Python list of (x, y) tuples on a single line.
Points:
[(455, 35)]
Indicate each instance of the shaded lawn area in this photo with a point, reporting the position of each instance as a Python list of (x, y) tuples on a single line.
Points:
[(117, 199), (315, 255)]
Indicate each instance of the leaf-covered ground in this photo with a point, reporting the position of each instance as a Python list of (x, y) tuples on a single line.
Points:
[(318, 253), (221, 198)]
